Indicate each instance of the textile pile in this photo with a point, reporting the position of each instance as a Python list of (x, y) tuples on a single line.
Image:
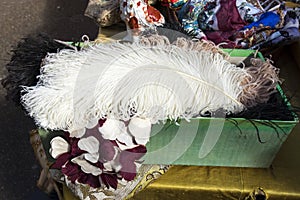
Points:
[(247, 24)]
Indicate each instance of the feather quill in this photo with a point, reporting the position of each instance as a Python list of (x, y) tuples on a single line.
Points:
[(125, 80)]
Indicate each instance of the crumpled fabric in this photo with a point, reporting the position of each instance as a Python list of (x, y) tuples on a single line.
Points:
[(267, 19), (236, 23), (248, 24), (138, 14), (198, 16), (288, 34), (258, 31)]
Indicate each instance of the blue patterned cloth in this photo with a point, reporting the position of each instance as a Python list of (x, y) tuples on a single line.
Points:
[(270, 19)]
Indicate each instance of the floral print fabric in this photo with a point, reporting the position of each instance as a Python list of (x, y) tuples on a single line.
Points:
[(103, 156)]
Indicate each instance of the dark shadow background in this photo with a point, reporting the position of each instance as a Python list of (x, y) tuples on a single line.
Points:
[(61, 19)]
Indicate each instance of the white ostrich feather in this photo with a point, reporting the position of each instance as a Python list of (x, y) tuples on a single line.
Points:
[(124, 80)]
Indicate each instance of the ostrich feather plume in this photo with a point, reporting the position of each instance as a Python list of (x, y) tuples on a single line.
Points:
[(148, 79)]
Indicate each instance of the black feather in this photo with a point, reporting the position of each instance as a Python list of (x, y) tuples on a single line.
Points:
[(24, 66)]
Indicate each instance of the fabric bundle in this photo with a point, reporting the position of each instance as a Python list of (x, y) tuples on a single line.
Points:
[(247, 24), (238, 23)]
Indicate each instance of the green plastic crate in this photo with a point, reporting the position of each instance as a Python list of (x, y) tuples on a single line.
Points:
[(208, 141)]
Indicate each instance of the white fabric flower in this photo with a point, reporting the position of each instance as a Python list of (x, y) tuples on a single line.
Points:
[(58, 147), (116, 130), (92, 123), (86, 167), (91, 145), (112, 128), (112, 165), (77, 133), (92, 157), (125, 141), (140, 129)]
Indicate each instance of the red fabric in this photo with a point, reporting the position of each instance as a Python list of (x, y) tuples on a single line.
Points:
[(228, 16), (221, 36), (229, 21)]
